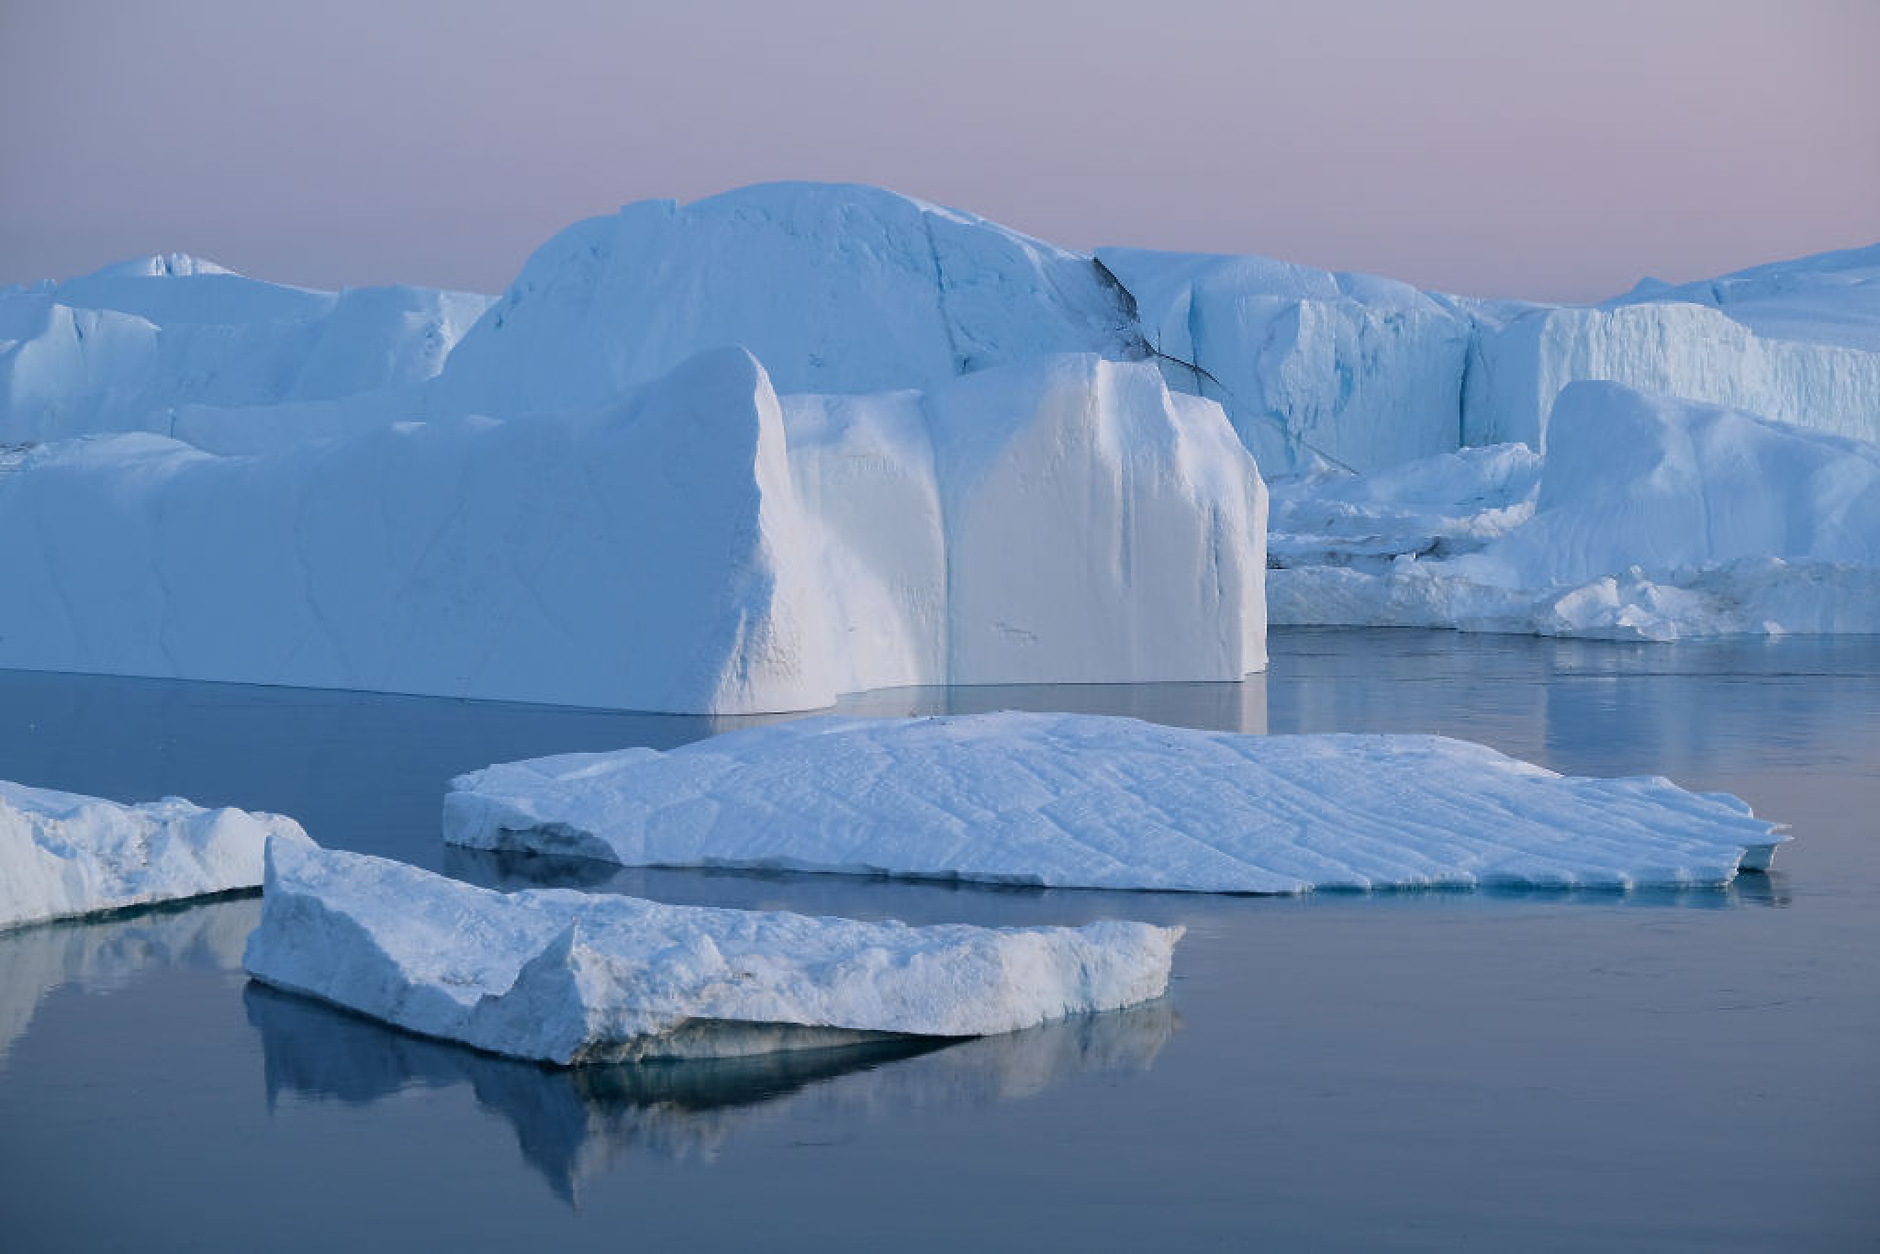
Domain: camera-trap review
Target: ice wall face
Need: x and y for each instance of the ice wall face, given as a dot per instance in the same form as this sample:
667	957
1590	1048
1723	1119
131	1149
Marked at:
124	349
646	556
1686	350
1364	371
701	547
835	288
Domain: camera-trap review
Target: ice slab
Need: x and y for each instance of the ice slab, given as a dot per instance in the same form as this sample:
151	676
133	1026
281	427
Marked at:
1651	518
62	854
569	977
1080	801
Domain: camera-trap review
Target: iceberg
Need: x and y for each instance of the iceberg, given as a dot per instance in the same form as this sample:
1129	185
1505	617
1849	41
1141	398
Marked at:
136	344
836	288
1081	801
62	854
1516	372
1362	371
702	546
1650	517
569	977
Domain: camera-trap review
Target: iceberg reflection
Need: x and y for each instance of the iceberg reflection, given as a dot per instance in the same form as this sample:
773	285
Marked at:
572	1124
102	953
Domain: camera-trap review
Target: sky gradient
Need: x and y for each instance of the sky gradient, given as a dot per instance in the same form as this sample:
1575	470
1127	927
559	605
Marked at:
1495	148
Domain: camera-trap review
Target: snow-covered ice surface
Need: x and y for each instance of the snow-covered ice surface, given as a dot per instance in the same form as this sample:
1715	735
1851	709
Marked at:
569	977
700	546
1079	801
62	854
1650	518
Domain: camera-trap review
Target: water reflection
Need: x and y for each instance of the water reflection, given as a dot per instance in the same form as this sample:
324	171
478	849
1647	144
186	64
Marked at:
573	1124
100	954
1236	707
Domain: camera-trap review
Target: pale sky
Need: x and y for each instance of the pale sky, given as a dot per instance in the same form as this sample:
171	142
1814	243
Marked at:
1492	147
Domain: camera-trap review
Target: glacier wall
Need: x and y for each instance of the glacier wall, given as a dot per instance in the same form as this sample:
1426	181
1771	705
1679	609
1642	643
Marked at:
701	547
1517	371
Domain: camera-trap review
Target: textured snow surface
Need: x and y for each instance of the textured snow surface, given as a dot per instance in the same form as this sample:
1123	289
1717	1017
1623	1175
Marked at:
699	547
569	977
1651	518
1081	801
140	345
62	854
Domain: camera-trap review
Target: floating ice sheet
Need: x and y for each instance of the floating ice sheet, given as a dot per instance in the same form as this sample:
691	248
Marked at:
569	977
1080	801
62	854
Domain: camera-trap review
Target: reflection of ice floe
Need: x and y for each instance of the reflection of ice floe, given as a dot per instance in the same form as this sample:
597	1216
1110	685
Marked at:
571	1125
104	953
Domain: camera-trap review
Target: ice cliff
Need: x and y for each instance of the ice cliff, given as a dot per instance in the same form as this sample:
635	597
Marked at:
1083	801
568	977
62	854
700	546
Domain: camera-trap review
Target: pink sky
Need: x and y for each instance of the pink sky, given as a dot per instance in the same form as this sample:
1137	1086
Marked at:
1551	150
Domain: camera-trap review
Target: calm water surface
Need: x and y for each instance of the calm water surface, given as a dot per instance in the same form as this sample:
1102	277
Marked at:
1694	1070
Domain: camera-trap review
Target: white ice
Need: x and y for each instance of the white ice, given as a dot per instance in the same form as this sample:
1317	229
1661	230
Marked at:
569	977
1081	801
700	546
1650	518
62	854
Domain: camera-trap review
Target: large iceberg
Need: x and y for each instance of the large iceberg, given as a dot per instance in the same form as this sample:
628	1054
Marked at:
1080	801
1363	371
62	854
701	546
569	977
140	344
836	288
1649	517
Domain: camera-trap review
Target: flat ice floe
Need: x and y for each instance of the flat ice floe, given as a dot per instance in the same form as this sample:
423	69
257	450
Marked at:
62	854
569	977
1081	801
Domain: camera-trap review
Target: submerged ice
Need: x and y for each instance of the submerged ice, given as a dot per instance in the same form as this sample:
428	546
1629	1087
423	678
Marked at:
1079	801
569	977
62	854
